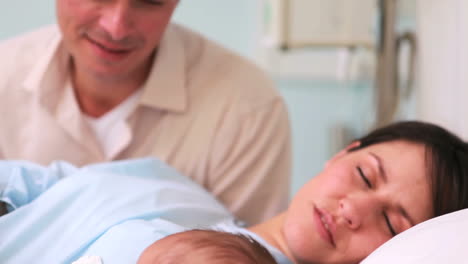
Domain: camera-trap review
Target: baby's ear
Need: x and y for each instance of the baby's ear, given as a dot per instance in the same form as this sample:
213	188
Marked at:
343	152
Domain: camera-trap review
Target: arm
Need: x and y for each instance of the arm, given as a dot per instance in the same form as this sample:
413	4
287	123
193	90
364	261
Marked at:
252	162
22	182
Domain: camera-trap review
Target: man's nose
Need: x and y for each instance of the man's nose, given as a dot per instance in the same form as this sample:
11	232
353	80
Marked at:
116	20
355	209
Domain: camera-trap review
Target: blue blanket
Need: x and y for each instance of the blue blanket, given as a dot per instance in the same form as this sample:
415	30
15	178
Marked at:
115	210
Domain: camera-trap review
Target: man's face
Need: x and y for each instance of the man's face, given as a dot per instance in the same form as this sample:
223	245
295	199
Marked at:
113	38
357	202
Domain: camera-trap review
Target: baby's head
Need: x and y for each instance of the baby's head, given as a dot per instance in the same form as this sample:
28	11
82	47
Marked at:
206	246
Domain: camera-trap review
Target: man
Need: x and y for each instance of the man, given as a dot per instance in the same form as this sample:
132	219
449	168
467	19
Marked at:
116	80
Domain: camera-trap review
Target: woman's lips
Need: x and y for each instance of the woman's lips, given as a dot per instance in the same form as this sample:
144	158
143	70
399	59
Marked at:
324	225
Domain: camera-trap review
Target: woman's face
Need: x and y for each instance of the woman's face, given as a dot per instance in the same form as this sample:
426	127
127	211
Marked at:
358	202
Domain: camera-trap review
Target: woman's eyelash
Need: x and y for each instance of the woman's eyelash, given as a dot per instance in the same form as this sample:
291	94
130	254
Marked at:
152	2
389	224
364	178
369	184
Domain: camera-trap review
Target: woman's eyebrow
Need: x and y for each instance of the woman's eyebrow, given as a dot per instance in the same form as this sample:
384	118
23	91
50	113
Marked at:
380	165
384	177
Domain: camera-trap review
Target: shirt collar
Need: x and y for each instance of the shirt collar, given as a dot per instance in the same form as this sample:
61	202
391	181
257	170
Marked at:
50	71
165	87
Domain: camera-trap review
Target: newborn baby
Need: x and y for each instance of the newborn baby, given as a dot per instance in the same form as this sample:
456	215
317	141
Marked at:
206	246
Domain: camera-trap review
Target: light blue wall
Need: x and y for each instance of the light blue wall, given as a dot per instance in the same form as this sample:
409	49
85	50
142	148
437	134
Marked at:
21	16
231	23
315	106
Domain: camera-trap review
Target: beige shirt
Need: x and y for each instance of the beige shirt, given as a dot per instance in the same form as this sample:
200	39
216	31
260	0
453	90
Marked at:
209	113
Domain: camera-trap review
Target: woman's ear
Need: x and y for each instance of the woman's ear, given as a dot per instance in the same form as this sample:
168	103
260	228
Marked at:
340	154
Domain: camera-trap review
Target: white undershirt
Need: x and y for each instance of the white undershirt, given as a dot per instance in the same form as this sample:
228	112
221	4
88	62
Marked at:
111	129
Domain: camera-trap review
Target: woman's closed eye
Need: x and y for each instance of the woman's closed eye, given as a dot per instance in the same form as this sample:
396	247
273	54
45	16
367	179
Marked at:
389	224
154	2
364	177
370	186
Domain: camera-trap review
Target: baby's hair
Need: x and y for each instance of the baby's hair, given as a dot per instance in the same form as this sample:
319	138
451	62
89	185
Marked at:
209	246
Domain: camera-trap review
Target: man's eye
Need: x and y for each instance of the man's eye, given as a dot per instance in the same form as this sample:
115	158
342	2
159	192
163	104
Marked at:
364	178
389	224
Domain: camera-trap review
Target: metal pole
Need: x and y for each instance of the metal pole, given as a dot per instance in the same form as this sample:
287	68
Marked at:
386	94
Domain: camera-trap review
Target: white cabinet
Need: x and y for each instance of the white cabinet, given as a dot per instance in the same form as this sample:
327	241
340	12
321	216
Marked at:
318	39
303	23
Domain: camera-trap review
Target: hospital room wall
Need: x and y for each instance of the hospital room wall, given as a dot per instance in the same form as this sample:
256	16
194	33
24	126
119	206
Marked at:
317	108
23	16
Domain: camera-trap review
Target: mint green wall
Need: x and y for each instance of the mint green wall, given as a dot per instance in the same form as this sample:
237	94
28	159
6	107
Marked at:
315	106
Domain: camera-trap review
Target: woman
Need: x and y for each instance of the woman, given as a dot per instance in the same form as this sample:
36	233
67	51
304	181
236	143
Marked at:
379	186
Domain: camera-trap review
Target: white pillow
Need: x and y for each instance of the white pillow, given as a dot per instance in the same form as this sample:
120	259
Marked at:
443	239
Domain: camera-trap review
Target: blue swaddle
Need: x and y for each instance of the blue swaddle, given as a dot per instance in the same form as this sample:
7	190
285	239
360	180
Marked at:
113	210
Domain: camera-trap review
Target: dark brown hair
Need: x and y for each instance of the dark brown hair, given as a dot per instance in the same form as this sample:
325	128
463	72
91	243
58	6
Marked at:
212	247
446	158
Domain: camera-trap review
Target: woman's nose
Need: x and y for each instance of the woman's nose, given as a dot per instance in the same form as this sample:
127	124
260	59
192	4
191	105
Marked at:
116	19
354	210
